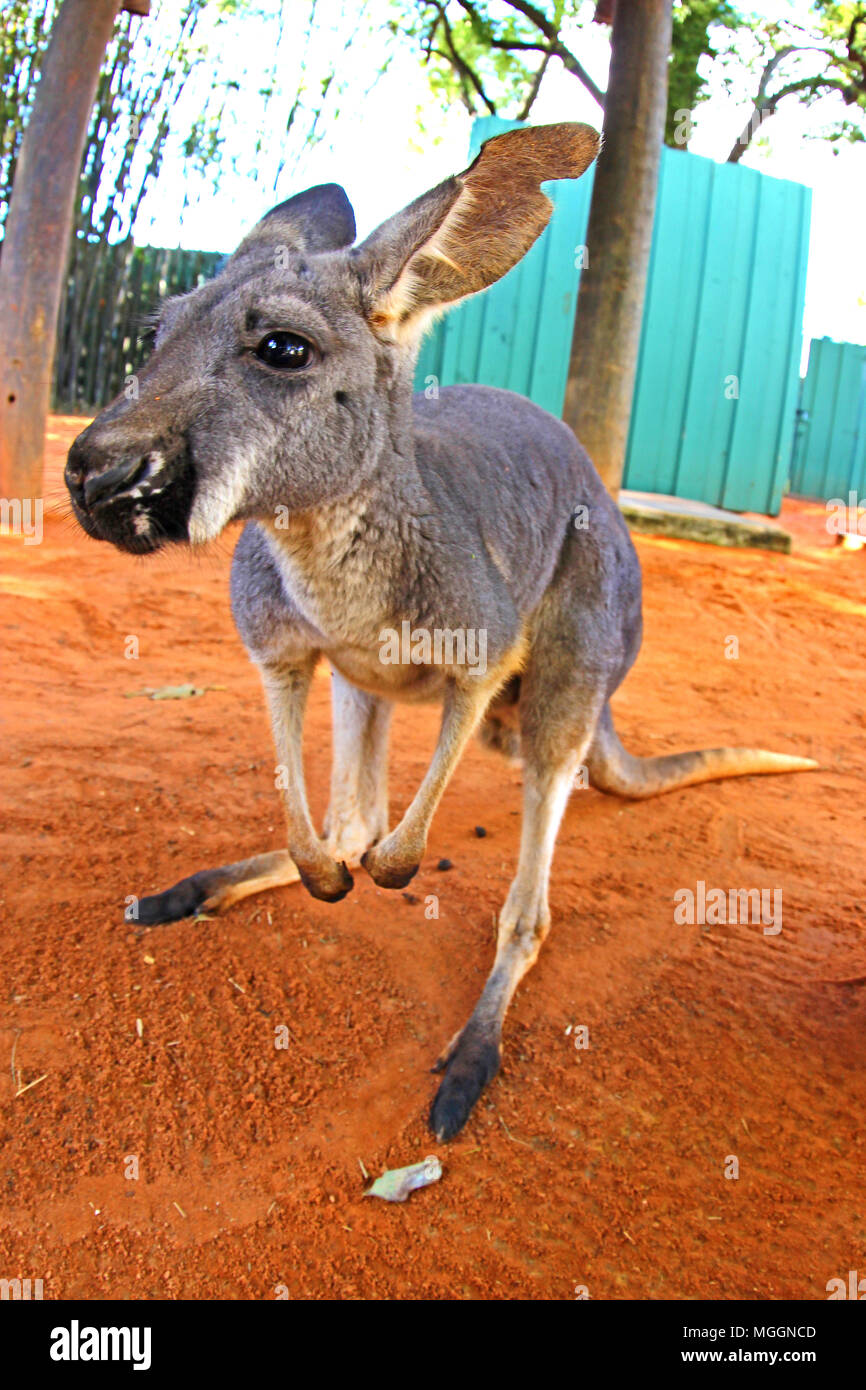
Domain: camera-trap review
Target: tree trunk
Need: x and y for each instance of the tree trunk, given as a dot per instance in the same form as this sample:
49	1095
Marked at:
38	228
606	339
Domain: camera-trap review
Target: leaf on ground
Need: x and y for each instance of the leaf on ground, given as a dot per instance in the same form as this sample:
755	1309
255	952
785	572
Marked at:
176	692
172	692
395	1184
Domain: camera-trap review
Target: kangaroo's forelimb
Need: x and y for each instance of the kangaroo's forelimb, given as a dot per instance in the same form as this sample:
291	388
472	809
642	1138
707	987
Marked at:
395	860
357	815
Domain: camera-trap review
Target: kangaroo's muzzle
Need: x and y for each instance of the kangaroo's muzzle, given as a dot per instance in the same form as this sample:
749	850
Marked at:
137	498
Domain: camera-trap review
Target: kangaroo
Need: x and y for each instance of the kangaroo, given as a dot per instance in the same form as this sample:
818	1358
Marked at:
280	393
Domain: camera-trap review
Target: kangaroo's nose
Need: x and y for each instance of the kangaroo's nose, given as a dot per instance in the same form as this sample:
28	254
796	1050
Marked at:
91	483
100	487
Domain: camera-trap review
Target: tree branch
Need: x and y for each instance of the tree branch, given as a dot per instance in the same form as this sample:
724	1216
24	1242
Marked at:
859	59
463	68
554	45
533	91
766	106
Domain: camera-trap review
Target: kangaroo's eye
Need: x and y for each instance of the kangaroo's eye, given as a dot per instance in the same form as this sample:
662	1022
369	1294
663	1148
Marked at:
285	351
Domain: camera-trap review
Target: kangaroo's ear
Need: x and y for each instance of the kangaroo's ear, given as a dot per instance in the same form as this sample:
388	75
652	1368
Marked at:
319	219
467	232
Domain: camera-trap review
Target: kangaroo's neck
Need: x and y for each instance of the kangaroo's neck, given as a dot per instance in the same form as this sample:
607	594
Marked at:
347	562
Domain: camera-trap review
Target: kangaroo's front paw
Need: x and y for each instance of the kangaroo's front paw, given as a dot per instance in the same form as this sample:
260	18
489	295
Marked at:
326	880
347	840
474	1061
390	870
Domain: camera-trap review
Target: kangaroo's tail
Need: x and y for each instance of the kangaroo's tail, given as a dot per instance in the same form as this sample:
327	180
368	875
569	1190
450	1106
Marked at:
612	769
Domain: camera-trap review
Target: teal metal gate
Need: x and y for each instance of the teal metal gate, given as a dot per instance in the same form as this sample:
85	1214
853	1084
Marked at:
716	389
830	451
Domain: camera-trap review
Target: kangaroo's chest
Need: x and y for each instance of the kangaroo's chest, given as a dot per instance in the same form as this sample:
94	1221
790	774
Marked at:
381	635
335	583
343	593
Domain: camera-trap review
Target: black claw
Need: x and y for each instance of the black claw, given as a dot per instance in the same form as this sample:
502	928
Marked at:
473	1064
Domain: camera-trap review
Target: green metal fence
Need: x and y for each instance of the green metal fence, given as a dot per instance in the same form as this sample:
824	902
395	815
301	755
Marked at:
716	391
110	295
830	451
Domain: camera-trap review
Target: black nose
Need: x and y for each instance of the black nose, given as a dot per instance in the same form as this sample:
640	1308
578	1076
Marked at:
100	487
91	482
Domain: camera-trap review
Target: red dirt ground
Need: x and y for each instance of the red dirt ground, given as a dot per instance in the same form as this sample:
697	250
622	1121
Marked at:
603	1168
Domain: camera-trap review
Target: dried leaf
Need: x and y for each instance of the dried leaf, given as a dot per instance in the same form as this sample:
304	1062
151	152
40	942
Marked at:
176	692
395	1184
172	692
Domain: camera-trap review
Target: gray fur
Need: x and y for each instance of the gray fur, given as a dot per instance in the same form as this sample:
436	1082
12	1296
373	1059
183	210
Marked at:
420	547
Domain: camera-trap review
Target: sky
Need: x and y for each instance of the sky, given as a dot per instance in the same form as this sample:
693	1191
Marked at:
389	144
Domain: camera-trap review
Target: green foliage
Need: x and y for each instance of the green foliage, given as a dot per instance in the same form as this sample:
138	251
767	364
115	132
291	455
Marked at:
26	26
844	29
480	53
146	67
491	54
201	83
694	24
822	54
173	83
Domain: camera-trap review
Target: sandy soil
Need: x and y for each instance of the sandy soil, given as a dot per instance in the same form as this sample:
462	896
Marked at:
603	1168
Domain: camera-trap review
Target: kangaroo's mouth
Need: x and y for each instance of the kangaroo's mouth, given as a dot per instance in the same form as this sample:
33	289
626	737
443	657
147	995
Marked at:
139	504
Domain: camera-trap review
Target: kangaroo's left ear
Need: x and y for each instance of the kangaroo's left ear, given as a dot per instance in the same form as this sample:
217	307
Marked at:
470	230
319	219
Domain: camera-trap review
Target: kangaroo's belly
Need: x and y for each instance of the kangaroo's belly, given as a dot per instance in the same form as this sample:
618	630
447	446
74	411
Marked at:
404	682
414	665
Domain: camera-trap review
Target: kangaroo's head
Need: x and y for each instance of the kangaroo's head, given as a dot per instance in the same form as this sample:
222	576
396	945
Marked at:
278	383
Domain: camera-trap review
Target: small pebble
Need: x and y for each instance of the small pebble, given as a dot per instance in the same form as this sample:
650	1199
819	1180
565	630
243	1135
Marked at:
411	898
444	864
480	831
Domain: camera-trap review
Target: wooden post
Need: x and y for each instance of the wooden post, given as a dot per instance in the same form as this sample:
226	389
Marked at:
607	329
38	228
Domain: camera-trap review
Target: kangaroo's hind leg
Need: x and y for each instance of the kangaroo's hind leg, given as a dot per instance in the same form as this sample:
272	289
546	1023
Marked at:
215	890
558	719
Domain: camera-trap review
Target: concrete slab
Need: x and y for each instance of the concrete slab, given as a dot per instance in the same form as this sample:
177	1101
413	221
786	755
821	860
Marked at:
654	514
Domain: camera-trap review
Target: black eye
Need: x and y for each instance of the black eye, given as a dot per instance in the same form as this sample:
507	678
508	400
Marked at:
285	351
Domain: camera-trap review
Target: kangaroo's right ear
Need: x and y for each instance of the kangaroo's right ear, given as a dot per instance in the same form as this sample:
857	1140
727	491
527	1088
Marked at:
319	219
467	232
